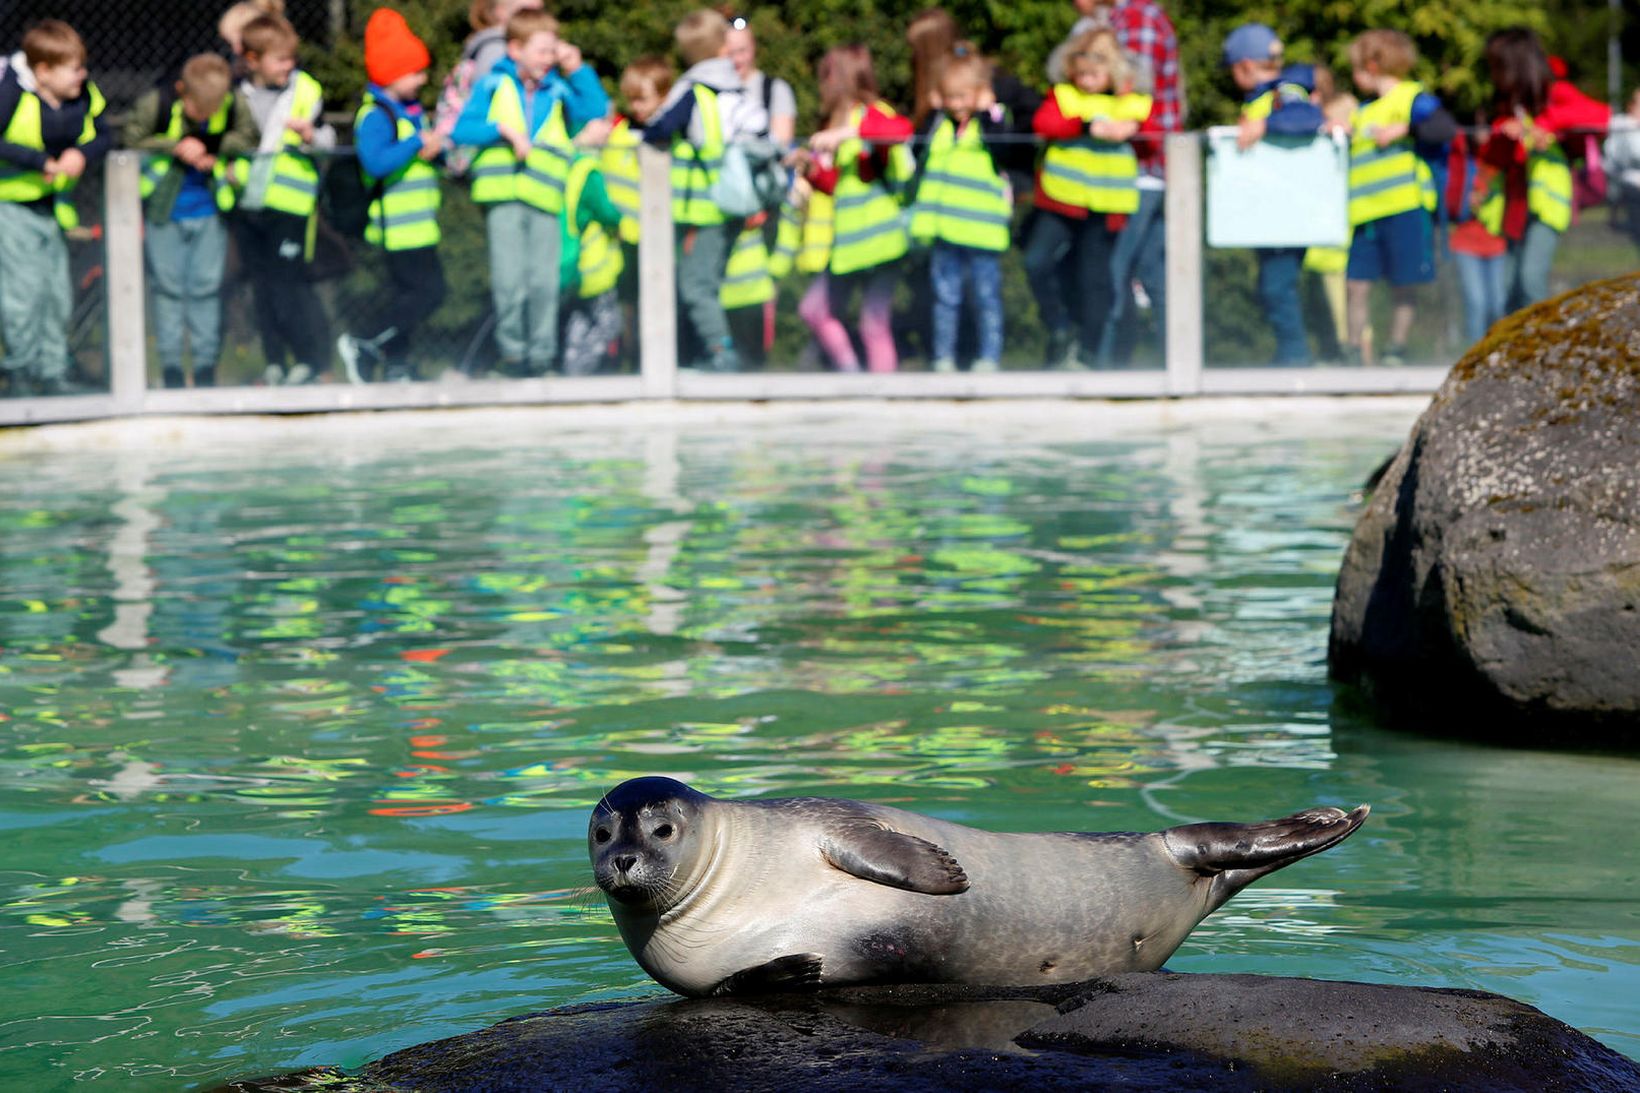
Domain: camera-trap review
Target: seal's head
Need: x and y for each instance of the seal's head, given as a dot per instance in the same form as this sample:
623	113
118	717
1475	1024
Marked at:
643	839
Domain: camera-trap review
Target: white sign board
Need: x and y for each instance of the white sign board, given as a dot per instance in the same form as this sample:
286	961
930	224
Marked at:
1281	192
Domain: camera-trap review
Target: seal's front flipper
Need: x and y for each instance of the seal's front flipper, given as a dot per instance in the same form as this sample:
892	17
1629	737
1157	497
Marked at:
798	972
893	858
1235	855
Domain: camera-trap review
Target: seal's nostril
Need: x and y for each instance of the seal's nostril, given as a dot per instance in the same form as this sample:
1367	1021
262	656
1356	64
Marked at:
625	862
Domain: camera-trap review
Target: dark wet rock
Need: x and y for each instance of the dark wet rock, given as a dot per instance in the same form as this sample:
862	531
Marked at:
1156	1031
1495	573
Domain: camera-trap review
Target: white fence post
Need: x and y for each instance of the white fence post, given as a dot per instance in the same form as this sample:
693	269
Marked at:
1184	263
657	276
122	261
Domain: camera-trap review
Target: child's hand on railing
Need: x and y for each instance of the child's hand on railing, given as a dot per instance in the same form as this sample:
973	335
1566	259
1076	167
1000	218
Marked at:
71	163
302	127
1386	135
1249	131
432	144
826	142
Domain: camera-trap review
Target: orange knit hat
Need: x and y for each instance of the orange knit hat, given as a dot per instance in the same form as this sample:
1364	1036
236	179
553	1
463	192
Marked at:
391	48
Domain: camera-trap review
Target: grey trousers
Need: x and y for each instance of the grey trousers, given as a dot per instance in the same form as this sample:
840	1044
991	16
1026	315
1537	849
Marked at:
185	263
524	247
35	294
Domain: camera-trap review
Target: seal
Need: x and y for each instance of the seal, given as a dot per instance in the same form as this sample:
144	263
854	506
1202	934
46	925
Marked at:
721	897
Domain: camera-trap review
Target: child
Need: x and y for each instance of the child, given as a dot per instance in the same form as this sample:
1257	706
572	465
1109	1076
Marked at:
964	207
1274	100
51	121
1525	146
860	160
524	115
279	199
644	85
396	150
1086	185
703	113
591	264
1392	193
195	128
1479	251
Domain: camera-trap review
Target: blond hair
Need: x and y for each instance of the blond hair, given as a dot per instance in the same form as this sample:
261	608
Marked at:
267	33
701	35
526	24
52	42
965	69
205	80
1099	49
649	71
1392	52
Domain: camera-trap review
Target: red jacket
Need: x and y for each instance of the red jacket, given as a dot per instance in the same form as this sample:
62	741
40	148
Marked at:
877	131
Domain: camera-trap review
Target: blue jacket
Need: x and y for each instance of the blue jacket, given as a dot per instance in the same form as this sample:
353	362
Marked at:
583	97
1292	114
381	152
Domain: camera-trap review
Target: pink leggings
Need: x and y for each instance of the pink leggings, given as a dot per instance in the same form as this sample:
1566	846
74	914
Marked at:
828	294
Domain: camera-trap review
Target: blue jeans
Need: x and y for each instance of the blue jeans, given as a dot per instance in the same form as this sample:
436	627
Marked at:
1529	261
950	267
1278	270
185	263
1140	254
1484	283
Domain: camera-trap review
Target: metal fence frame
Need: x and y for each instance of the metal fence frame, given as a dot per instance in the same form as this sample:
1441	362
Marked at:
659	377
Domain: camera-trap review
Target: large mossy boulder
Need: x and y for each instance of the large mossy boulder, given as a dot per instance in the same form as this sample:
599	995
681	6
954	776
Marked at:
1143	1031
1492	586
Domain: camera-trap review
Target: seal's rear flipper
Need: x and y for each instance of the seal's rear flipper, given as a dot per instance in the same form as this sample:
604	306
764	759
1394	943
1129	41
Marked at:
798	972
1235	855
893	858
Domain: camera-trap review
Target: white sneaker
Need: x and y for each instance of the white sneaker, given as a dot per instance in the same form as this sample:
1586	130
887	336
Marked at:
945	364
299	373
347	348
985	364
273	375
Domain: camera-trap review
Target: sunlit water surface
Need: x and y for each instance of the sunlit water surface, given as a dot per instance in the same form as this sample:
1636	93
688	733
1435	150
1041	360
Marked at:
301	723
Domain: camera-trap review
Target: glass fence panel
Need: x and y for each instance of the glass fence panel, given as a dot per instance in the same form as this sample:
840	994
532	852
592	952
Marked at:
313	300
57	312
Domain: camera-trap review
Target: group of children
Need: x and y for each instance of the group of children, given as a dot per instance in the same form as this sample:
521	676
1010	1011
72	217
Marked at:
556	173
1507	201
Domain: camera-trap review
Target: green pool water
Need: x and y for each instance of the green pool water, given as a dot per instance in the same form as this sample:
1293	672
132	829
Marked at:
300	723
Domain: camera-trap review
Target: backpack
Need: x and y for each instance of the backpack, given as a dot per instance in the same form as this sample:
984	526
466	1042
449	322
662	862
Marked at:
752	179
344	199
452	99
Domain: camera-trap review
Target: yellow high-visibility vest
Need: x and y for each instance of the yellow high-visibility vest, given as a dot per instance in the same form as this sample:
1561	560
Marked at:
157	165
497	175
695	170
404	215
1392	179
619	163
961	199
25	187
1098	175
867	228
746	278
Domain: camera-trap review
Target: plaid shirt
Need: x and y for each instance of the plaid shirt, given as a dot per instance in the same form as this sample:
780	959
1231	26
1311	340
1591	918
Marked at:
1144	30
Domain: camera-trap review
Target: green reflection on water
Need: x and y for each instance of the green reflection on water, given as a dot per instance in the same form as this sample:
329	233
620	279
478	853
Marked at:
295	763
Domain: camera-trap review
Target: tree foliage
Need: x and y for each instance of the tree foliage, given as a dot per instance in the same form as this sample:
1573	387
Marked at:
793	34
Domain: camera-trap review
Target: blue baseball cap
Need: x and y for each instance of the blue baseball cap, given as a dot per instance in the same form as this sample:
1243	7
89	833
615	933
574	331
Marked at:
1252	42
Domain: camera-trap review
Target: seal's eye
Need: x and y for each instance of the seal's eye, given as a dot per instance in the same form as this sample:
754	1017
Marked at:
664	831
601	835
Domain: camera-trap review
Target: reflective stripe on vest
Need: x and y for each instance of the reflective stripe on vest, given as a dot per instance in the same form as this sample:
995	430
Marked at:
404	216
1490	213
24	186
867	228
598	259
746	279
156	166
1098	175
1389	180
961	198
695	170
496	173
619	164
1549	187
294	185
